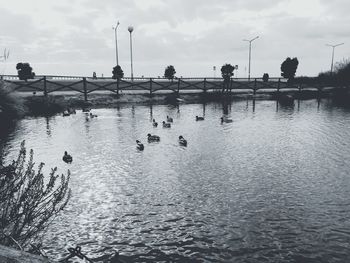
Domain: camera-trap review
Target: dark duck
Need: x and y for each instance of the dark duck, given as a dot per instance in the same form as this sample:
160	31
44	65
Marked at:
182	141
139	145
67	158
153	138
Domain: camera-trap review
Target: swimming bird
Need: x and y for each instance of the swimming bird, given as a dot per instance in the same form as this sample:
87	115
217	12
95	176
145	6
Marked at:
86	109
92	115
225	120
139	146
155	124
67	158
199	118
169	119
71	111
166	125
182	141
65	113
153	138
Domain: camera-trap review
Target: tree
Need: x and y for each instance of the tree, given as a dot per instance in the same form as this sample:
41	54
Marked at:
289	68
342	72
25	71
227	73
26	203
117	73
169	72
266	77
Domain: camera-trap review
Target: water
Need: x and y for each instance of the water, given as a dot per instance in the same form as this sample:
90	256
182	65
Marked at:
273	186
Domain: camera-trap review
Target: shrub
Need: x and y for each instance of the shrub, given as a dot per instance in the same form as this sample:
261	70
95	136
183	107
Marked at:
342	72
40	105
118	73
289	68
25	71
227	73
26	203
11	105
169	72
266	77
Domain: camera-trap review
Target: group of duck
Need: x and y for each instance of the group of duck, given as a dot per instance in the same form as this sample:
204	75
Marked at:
155	138
68	112
167	124
150	138
87	111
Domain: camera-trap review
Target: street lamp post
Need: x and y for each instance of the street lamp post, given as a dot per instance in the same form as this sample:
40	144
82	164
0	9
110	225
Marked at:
250	51
130	29
333	46
116	42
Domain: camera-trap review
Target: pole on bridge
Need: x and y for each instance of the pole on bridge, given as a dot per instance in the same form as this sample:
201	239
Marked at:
85	90
117	87
205	85
254	92
45	87
150	87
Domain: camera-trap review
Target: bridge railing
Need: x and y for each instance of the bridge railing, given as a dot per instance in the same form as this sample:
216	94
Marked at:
50	83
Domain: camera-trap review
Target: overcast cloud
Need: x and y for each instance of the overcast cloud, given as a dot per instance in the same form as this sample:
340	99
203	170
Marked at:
75	37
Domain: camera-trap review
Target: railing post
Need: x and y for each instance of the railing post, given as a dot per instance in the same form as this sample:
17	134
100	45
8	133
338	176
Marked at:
205	85
178	86
85	90
117	86
319	91
254	92
150	87
279	84
45	87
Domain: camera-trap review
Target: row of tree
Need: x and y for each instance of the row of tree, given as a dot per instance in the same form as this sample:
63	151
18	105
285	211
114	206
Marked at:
288	69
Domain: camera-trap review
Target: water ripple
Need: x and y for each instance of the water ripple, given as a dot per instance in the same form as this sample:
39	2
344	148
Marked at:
272	186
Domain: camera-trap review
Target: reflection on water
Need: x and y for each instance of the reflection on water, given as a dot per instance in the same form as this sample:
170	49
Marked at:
270	187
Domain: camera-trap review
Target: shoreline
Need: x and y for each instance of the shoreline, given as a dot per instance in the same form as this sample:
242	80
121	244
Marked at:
110	100
36	104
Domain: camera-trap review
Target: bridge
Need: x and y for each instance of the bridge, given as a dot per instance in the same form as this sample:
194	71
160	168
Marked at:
85	85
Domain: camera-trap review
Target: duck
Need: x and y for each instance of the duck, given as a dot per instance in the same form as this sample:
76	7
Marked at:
153	138
226	120
169	119
67	158
155	124
199	118
65	113
166	125
139	146
86	109
71	111
182	141
92	115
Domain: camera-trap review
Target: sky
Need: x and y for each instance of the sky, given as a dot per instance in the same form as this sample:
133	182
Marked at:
75	37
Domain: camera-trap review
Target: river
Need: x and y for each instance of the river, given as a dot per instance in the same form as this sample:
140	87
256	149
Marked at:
272	186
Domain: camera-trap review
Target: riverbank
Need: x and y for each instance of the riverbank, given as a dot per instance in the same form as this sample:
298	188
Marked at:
62	100
10	255
36	104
